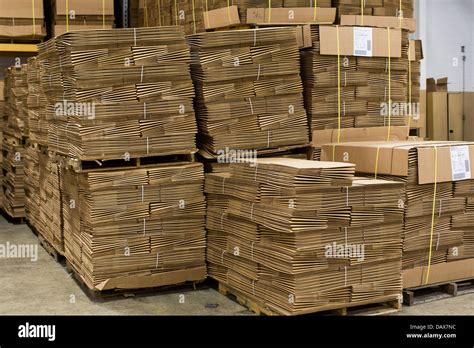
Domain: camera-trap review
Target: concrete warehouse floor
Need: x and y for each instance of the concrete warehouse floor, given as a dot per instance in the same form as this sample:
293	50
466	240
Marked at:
45	288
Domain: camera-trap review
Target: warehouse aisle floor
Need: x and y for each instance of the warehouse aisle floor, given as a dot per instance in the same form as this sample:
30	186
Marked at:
45	288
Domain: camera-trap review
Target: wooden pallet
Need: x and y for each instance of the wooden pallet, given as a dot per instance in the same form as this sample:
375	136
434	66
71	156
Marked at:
116	294
434	292
15	220
122	164
51	250
367	308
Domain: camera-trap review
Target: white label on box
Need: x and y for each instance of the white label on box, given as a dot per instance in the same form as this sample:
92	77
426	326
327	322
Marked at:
363	42
460	163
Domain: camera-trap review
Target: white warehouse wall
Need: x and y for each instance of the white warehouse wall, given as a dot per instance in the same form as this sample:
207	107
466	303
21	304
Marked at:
445	26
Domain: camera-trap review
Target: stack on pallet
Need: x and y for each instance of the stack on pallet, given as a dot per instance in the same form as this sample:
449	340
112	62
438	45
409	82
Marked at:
434	201
464	222
36	103
249	91
391	8
198	15
15	129
351	88
297	236
74	15
132	219
22	20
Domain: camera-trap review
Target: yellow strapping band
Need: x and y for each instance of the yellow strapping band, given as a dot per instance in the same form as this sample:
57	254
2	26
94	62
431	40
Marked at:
433	215
67	15
34	17
176	11
103	14
334	152
158	9
409	90
146	14
377	162
362	9
338	85
269	11
389	85
194	16
207	14
228	11
401	13
315	14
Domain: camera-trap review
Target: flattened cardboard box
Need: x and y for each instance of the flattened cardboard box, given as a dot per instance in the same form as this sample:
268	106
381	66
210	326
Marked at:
361	41
221	17
379	22
439	273
328	136
297	15
81	7
392	158
21	9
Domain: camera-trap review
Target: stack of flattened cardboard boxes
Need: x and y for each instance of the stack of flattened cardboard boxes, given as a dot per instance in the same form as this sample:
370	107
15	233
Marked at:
392	8
198	15
74	15
15	129
248	90
299	236
22	20
359	76
464	221
129	97
437	180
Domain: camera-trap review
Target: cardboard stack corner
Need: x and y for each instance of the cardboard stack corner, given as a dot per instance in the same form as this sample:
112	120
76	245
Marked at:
384	8
15	129
372	73
201	15
414	163
120	226
248	91
23	20
276	227
74	15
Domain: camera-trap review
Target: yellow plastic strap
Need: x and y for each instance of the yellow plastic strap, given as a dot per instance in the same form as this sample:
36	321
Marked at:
67	15
103	14
433	215
338	86
158	8
389	85
377	162
315	15
34	17
146	14
362	8
207	14
409	90
401	13
176	11
269	11
228	11
334	152
194	16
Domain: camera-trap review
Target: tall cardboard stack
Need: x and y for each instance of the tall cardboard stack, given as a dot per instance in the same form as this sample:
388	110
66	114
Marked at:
248	90
199	15
464	222
391	8
15	129
37	103
124	227
130	96
273	226
22	20
74	15
346	87
436	214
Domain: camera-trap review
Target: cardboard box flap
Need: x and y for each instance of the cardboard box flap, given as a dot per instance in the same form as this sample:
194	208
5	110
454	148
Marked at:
379	22
221	17
361	41
327	136
297	15
21	9
439	273
81	7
